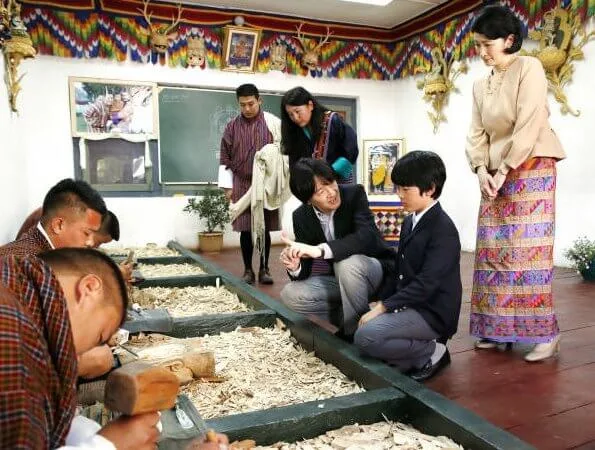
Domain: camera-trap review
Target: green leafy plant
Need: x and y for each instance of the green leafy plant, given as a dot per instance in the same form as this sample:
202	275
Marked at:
213	207
582	254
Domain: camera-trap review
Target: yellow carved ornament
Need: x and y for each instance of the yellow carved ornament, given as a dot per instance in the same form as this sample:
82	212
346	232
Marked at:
439	83
561	39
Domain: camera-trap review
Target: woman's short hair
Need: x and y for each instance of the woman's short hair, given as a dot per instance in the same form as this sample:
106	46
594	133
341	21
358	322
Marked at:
496	22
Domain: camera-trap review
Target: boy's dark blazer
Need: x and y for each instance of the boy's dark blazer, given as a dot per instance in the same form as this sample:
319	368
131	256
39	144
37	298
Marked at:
428	276
355	231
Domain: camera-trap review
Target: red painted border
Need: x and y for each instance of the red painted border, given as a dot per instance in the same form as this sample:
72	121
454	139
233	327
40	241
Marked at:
88	5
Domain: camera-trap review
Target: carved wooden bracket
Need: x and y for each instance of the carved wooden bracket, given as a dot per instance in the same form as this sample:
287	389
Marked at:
561	39
439	83
17	46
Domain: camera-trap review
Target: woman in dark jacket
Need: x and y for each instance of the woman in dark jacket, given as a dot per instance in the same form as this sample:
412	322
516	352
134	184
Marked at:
310	130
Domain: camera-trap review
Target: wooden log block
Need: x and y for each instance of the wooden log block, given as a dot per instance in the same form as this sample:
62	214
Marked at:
202	364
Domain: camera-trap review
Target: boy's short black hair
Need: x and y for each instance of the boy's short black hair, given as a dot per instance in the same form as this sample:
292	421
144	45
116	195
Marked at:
247	90
86	260
496	22
110	225
76	194
301	178
422	169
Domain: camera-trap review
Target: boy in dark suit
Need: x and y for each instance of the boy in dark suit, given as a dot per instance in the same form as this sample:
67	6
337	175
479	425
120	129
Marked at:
406	328
339	259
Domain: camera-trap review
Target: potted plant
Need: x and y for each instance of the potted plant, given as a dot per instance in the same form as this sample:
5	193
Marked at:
582	255
213	208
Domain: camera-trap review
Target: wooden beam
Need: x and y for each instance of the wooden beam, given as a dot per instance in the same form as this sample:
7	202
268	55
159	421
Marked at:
184	327
180	282
310	419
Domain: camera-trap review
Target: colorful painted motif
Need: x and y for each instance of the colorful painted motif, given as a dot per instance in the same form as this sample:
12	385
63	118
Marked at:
388	217
114	30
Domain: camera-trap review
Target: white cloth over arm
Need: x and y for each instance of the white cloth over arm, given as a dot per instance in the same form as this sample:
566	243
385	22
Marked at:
270	157
83	436
269	189
225	177
270	182
274	126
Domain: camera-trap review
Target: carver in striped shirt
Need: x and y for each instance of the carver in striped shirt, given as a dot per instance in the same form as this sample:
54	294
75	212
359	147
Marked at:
53	308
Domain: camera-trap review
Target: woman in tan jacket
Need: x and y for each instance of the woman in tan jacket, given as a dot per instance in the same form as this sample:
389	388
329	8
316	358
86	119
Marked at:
513	150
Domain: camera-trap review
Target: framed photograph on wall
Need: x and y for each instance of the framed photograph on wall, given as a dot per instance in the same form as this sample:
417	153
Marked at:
380	156
240	48
112	107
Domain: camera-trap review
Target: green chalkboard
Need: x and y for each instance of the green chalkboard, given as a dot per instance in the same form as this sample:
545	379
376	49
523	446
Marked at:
191	123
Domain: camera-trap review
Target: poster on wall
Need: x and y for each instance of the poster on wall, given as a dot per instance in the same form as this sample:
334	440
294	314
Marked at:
112	107
380	156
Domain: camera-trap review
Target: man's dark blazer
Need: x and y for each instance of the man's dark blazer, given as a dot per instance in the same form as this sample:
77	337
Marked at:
428	277
355	231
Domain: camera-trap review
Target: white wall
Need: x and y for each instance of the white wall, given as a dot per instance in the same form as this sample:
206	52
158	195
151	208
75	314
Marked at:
12	167
36	147
45	136
575	191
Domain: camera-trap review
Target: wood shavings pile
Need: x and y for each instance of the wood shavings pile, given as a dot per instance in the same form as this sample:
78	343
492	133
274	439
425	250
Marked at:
157	341
169	270
148	251
378	436
261	368
189	301
264	368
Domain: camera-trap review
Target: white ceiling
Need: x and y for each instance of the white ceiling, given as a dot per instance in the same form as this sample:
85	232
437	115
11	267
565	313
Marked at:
395	13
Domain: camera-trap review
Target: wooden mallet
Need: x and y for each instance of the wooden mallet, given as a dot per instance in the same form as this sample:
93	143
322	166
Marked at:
138	388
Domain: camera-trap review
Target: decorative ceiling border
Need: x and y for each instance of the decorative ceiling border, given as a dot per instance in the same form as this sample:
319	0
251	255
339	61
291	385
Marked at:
115	29
210	16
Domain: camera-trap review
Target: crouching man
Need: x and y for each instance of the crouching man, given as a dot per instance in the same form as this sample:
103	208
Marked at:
338	261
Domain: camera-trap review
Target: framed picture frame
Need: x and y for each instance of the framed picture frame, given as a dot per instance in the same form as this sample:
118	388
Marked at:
116	165
110	108
240	48
380	156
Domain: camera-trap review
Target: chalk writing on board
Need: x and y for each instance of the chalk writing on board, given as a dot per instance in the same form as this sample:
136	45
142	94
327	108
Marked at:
174	97
218	121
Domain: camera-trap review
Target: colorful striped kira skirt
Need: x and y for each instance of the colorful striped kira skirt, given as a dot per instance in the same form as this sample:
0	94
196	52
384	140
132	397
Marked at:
511	299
